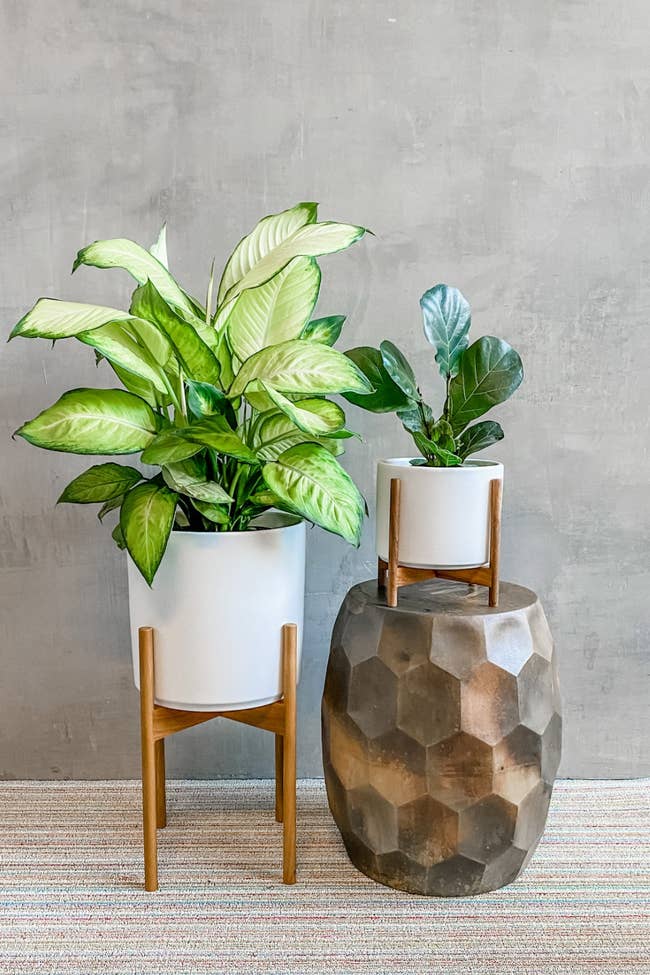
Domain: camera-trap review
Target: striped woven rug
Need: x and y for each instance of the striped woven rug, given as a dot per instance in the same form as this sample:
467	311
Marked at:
71	898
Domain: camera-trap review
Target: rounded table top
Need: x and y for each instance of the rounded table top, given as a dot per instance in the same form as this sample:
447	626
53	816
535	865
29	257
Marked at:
446	597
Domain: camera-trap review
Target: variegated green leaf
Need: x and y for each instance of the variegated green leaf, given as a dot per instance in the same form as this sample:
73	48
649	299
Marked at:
54	319
140	264
275	311
119	347
213	512
323	330
146	520
94	421
318	417
102	482
159	248
168	447
189	477
214	432
268	234
312	240
310	481
196	359
301	367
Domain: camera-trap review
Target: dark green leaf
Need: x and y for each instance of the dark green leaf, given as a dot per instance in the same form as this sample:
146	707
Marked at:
146	520
478	437
387	396
433	452
102	482
189	477
109	506
447	318
398	368
214	432
417	418
118	537
213	512
490	372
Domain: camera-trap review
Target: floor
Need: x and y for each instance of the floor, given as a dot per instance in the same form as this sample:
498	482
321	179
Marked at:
71	897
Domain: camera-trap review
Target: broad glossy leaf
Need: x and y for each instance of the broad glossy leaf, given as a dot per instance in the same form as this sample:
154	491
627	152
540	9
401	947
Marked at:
102	482
213	512
146	520
387	396
318	417
155	341
168	447
140	387
265	237
115	343
323	330
159	248
490	372
310	481
429	449
478	437
447	318
413	420
301	367
188	477
94	421
399	369
140	264
214	432
278	433
54	319
275	311
196	359
312	240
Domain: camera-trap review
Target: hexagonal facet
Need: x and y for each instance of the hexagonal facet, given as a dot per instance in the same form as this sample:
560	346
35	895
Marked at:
372	697
439	762
486	829
428	831
459	770
535	684
489	704
458	644
427	703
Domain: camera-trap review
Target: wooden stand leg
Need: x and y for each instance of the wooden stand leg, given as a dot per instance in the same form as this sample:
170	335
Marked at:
496	491
279	777
381	573
149	801
161	804
393	541
289	674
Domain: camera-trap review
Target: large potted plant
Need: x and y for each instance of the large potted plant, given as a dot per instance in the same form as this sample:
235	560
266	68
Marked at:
444	520
226	406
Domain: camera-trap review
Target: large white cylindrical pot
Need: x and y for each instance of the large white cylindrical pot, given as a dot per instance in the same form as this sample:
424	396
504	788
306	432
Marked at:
217	606
444	512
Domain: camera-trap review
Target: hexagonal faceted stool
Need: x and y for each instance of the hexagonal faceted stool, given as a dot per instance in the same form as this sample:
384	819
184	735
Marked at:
441	734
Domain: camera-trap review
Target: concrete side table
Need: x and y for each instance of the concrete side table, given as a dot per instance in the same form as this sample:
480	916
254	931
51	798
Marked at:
441	734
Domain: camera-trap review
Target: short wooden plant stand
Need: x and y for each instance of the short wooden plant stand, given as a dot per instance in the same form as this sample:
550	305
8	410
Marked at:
393	574
157	723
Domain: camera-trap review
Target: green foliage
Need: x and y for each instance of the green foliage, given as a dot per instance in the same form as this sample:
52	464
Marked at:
477	377
228	402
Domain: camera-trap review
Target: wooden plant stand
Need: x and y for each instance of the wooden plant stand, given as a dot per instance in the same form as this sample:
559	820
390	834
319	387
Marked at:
392	574
157	723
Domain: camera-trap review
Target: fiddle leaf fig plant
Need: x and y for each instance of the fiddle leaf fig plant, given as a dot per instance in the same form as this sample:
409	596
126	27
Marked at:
229	403
477	377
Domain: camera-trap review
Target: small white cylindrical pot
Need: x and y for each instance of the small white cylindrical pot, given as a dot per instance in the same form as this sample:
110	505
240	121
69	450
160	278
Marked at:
444	513
217	605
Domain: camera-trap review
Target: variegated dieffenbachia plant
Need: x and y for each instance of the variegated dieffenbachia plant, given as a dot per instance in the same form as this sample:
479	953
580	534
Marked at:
228	399
477	377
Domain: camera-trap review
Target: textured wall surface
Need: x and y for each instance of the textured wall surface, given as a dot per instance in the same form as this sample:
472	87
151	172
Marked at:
500	147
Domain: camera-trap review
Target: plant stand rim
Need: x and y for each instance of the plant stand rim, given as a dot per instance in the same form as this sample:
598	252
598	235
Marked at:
158	723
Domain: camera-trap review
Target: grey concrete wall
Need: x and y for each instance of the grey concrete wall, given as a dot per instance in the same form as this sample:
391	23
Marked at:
502	147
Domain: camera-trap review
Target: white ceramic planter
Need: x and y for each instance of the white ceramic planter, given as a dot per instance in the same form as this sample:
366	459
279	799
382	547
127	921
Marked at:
217	606
444	512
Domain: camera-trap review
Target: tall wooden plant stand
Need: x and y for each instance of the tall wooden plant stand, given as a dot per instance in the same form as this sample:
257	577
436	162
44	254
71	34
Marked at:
157	723
393	574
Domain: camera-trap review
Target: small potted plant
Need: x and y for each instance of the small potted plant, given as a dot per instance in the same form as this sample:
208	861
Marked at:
444	517
227	409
